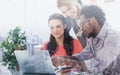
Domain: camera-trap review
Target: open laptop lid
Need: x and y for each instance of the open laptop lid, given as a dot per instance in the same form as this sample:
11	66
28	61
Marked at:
40	62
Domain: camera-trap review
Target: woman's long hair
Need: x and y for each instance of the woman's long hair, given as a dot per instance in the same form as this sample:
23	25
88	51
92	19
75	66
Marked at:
68	44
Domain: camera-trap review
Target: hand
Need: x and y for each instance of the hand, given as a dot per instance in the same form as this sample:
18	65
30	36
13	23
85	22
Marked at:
83	66
58	61
76	64
64	61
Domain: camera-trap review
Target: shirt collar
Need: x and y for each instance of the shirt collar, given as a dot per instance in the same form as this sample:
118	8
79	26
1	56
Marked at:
103	32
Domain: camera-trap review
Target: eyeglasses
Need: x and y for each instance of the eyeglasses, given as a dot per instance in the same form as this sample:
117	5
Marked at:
82	23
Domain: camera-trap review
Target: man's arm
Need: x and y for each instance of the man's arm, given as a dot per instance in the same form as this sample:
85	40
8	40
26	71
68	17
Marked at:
87	53
105	56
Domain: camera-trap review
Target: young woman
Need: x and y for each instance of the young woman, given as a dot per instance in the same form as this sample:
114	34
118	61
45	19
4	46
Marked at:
60	42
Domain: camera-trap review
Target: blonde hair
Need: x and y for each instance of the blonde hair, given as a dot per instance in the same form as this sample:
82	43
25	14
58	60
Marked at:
68	3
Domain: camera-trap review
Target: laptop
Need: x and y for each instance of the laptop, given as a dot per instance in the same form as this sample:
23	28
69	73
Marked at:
38	64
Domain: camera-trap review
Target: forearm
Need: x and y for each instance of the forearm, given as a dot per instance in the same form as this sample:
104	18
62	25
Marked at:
83	56
71	58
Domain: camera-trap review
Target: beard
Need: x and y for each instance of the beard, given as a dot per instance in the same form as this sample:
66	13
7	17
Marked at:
92	34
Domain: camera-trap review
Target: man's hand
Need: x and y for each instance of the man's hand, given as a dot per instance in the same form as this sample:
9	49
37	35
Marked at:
83	66
58	61
63	61
66	61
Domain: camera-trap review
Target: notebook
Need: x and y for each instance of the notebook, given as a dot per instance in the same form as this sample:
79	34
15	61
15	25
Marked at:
39	63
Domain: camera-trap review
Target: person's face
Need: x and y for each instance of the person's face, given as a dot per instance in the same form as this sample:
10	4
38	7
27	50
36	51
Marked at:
56	28
69	12
87	27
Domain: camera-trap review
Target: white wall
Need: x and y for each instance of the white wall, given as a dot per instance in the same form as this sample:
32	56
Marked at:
33	15
12	14
112	11
37	13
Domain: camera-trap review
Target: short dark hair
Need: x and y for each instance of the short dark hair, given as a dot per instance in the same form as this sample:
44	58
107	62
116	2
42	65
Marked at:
94	11
57	16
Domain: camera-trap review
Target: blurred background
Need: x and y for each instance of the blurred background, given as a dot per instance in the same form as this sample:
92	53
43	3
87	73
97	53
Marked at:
32	15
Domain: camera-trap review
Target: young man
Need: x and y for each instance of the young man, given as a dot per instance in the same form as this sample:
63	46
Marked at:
102	53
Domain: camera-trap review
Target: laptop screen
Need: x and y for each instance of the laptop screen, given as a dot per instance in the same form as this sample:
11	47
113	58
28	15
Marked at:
40	62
